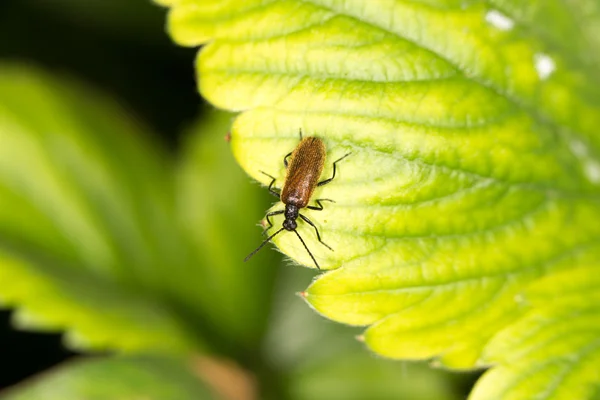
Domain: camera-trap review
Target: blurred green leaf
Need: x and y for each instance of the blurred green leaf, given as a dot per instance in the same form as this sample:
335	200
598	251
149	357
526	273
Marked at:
325	361
86	219
475	171
357	375
95	313
219	211
99	235
114	378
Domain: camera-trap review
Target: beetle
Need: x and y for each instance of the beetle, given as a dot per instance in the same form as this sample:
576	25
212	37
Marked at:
302	178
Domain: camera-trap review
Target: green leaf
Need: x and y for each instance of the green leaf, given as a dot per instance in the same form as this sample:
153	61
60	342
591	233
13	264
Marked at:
474	176
85	204
114	378
554	342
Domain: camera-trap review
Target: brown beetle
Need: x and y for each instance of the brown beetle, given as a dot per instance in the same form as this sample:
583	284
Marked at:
303	173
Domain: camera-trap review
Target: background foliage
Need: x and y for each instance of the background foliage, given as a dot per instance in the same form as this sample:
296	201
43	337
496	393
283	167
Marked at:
464	208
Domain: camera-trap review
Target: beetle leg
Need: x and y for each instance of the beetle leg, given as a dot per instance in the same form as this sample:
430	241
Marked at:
285	161
272	190
272	213
308	221
326	181
320	207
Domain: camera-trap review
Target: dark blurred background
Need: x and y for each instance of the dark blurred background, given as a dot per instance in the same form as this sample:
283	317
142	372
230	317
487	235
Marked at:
120	47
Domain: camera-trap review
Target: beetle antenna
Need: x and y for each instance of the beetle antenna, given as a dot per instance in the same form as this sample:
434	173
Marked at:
263	243
306	247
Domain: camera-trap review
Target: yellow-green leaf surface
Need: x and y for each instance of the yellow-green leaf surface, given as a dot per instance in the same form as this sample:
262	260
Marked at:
86	211
114	378
472	191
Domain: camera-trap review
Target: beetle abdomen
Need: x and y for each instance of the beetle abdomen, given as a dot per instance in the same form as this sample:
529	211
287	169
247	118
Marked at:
303	172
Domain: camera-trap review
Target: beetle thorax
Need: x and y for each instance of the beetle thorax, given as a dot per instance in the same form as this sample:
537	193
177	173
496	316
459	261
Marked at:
291	214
